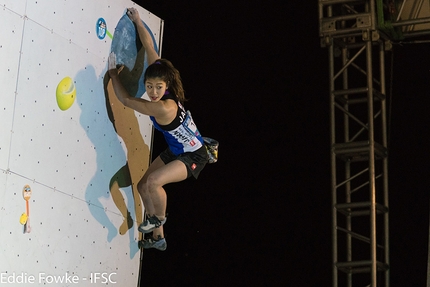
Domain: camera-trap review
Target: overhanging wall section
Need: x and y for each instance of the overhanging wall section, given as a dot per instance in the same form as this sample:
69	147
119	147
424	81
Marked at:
80	155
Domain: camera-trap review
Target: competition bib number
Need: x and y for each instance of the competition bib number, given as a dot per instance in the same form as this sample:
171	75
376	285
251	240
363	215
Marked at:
190	126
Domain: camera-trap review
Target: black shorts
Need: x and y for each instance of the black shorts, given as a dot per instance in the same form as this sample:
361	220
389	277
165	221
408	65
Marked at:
194	161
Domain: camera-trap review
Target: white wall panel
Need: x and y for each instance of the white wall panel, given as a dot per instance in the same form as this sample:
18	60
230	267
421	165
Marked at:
77	20
17	6
3	178
62	234
10	42
55	143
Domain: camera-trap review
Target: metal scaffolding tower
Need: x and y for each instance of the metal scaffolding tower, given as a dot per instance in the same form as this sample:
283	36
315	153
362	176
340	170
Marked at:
357	35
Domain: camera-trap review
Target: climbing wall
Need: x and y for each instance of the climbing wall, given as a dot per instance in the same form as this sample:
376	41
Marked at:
70	153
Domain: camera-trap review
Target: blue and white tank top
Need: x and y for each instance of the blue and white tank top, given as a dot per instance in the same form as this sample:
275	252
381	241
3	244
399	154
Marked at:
181	134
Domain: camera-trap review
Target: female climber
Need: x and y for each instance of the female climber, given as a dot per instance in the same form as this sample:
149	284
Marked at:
186	154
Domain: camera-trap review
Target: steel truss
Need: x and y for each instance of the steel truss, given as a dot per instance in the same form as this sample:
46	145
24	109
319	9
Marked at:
357	35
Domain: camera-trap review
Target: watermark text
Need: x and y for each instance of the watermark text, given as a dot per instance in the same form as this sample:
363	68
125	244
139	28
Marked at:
65	278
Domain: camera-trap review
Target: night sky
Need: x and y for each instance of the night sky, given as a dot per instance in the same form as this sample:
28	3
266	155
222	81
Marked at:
257	80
